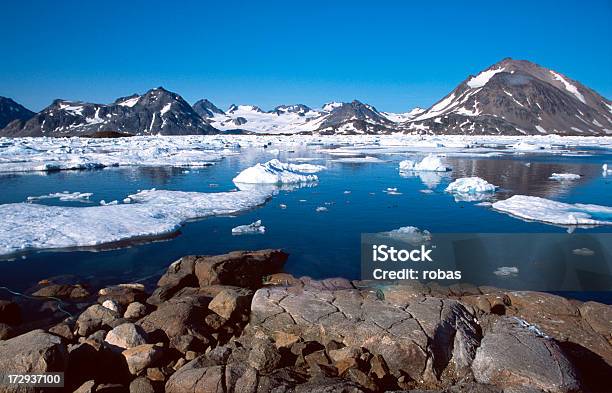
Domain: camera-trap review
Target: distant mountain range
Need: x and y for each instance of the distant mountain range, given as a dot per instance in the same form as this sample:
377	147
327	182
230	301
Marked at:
512	97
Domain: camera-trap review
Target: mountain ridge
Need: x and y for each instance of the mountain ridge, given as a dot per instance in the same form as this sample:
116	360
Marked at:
510	97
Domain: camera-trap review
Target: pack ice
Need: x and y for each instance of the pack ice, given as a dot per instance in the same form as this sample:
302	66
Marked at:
553	212
30	226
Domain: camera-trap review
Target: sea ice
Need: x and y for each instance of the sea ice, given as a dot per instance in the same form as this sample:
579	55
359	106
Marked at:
410	234
276	172
431	163
321	209
471	188
30	226
564	176
64	196
250	229
583	252
506	271
553	212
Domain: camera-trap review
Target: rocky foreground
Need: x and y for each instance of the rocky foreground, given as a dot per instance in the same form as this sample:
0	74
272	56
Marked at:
234	323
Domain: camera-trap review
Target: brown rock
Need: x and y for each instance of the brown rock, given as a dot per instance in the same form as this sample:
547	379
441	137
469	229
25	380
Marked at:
244	269
229	302
362	379
63	291
142	356
378	367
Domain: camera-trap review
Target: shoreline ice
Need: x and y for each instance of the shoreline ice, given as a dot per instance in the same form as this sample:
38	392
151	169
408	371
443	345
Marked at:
151	213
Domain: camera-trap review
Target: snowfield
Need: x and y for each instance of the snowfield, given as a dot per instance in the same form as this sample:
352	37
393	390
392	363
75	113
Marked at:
151	213
553	212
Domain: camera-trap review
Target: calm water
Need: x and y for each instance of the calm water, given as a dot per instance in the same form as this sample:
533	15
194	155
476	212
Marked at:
320	244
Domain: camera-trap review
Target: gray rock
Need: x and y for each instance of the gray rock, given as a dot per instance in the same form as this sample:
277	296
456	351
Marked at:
141	385
400	331
142	356
34	352
126	336
135	310
514	353
95	318
177	317
193	378
264	356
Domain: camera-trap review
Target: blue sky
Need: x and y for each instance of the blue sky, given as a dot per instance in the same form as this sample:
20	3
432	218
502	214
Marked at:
392	54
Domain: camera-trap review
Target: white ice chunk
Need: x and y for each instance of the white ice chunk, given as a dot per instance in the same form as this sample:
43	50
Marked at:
506	271
276	172
28	226
564	176
470	185
410	234
64	196
431	163
553	212
249	229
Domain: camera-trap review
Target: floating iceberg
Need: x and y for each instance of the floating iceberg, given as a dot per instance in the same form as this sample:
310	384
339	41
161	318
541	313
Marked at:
431	163
583	252
64	196
250	229
321	209
605	170
506	271
358	160
410	234
152	213
564	176
276	172
553	212
470	189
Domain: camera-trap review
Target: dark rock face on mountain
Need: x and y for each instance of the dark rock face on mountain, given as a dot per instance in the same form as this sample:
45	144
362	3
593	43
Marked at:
11	111
206	109
517	97
157	112
300	109
355	118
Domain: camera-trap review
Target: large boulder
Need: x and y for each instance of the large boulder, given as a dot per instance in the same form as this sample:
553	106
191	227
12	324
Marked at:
245	269
123	294
178	316
63	291
142	356
230	302
515	354
126	336
34	352
421	338
192	377
94	318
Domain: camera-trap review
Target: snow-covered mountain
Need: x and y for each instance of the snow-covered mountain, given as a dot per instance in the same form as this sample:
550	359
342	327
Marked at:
512	97
157	112
333	118
11	111
515	97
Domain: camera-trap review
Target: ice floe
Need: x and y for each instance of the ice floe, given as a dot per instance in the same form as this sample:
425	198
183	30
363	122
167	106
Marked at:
64	196
469	189
553	212
431	163
152	213
321	209
276	172
564	176
249	229
583	252
410	234
506	271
